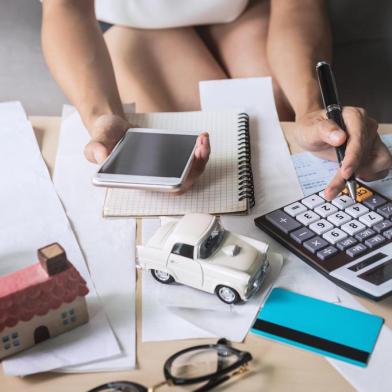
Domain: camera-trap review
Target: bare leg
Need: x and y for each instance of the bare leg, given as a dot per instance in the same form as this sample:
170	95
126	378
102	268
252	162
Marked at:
240	47
160	69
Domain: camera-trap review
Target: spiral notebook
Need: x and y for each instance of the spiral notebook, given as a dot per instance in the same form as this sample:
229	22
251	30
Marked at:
226	186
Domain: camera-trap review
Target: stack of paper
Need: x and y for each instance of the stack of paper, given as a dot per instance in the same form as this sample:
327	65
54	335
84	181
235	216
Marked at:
108	244
32	217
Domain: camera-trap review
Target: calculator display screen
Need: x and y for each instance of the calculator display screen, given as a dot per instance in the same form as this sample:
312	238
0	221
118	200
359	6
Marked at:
151	155
379	274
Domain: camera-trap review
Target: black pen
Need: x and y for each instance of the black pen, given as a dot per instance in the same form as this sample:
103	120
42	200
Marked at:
334	112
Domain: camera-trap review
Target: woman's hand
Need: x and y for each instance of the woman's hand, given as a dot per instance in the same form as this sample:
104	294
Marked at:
366	155
202	153
107	130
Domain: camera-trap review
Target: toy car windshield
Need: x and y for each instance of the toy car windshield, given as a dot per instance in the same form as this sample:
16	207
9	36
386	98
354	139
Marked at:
211	244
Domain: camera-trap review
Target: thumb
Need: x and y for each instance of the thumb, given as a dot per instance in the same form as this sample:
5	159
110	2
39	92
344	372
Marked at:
96	152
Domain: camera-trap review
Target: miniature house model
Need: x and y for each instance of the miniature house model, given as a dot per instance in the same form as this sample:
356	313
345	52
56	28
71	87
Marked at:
40	301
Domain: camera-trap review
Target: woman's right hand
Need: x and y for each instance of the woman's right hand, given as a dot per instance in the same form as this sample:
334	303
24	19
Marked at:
105	132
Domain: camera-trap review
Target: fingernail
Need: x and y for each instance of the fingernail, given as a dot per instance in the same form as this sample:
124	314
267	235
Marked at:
335	136
98	157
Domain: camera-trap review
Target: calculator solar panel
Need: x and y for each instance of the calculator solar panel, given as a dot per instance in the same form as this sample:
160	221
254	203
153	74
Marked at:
348	241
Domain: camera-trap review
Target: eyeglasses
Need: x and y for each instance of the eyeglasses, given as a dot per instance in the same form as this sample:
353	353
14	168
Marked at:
210	363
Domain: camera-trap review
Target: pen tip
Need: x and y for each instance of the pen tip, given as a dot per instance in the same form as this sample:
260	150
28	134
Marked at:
352	189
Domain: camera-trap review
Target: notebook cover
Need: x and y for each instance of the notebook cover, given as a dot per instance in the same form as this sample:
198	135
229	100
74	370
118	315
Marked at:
318	326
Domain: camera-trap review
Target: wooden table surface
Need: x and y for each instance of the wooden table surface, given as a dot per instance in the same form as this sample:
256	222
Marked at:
276	367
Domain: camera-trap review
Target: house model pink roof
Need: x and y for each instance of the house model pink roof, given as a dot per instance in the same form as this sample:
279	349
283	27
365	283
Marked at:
36	289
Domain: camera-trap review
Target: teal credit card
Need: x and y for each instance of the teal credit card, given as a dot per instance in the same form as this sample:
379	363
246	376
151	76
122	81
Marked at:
318	326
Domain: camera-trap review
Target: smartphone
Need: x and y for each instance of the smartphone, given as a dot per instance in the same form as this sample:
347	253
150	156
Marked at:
149	159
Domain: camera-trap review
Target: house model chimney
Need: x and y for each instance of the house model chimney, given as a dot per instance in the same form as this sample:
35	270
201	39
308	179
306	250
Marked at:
53	258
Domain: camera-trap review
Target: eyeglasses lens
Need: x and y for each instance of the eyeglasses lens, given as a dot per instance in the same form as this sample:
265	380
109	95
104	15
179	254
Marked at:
202	362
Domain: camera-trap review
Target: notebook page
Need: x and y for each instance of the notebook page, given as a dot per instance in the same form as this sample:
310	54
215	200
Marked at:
216	191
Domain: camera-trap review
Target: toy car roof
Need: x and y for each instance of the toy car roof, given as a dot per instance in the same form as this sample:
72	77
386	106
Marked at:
191	228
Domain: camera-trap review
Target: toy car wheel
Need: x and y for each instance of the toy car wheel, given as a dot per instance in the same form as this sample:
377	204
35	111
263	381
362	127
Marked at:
162	276
227	295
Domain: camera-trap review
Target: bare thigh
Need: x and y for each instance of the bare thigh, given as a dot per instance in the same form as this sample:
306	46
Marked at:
241	48
160	69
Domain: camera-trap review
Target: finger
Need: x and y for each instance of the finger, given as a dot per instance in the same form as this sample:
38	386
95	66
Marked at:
335	186
326	134
199	162
202	150
359	142
96	152
379	164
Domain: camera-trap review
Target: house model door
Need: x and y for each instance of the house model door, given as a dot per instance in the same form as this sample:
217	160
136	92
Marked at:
41	333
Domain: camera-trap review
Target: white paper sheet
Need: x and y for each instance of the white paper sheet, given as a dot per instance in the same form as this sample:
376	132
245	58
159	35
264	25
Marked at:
377	375
231	322
108	244
32	217
315	173
275	179
171	326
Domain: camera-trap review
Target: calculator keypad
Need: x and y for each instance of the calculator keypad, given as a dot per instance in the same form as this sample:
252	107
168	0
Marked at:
343	238
342	225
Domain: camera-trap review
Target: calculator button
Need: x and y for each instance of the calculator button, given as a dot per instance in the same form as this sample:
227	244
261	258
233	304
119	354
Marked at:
371	218
339	218
356	210
346	243
363	194
282	221
377	240
343	201
315	244
313	201
388	234
308	217
386	210
301	235
356	250
321	226
365	234
335	235
382	226
321	194
327	252
325	210
353	227
295	209
374	202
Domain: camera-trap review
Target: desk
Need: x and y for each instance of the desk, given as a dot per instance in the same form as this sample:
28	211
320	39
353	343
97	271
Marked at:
276	367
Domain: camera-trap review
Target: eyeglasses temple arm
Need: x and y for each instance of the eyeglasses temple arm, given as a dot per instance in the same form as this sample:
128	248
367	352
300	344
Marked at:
212	384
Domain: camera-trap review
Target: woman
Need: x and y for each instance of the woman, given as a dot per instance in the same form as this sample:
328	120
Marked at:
154	56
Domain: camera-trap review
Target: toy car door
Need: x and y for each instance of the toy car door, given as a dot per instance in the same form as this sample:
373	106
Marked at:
183	267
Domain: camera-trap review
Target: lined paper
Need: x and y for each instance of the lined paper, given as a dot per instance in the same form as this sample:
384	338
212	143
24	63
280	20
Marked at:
216	191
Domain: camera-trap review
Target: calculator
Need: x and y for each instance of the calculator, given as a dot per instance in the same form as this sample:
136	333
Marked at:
348	241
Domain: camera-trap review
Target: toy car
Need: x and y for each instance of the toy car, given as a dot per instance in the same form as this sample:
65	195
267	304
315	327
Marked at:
197	251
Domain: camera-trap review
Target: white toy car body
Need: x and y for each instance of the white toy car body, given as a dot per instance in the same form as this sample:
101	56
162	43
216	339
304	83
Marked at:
196	251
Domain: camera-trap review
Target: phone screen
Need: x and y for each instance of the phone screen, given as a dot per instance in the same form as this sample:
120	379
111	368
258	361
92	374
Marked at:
151	154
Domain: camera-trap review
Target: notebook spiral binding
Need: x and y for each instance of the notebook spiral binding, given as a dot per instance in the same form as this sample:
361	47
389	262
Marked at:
245	175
